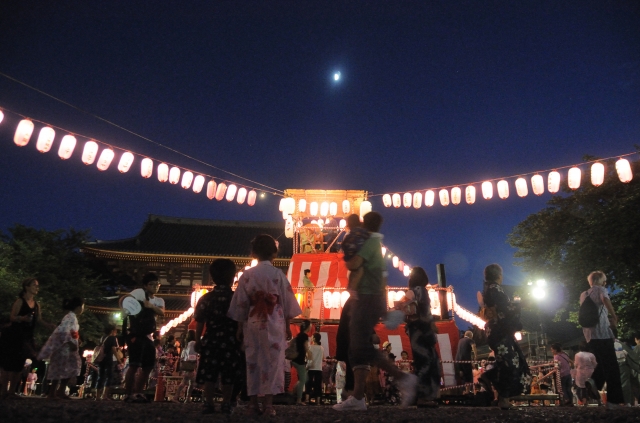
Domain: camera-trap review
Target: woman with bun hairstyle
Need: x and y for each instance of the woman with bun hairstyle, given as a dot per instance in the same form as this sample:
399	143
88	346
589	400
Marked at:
62	349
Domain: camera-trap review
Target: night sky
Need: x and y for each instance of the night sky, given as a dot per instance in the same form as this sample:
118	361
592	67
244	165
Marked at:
431	94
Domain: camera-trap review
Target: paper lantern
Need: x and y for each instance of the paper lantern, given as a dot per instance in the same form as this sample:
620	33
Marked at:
574	178
242	195
289	230
125	162
597	174
281	206
289	205
231	193
429	198
386	200
324	209
365	207
251	200
503	189
187	179
319	222
1	116
396	200
406	271
343	223
346	207
104	161
335	299
211	190
89	152
384	251
624	170
521	187
487	190
23	133
470	194
45	139
391	298
400	265
417	200
146	167
67	145
456	195
400	294
222	188
302	205
313	208
553	182
407	199
444	198
395	261
344	296
198	183
163	172
333	208
327	299
537	184
174	175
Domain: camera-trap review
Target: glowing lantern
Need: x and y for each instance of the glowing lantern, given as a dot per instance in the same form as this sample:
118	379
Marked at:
400	265
574	178
313	208
146	167
252	198
222	188
537	184
346	207
365	208
67	145
163	172
198	183
407	270
333	208
302	205
242	195
503	189
553	182
391	298
396	200
343	224
470	194
624	170
45	139
320	223
456	195
384	251
399	295
89	152
407	199
187	179
444	197
174	175
23	133
289	205
487	190
417	200
395	261
386	200
211	190
324	209
335	299
597	174
521	187
125	162
327	299
281	206
1	116
344	296
288	227
429	198
104	161
231	192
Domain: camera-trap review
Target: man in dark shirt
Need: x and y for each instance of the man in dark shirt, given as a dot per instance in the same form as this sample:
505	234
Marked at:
466	352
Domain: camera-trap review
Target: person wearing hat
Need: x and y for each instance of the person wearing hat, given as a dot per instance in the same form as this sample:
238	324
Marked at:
386	348
467	353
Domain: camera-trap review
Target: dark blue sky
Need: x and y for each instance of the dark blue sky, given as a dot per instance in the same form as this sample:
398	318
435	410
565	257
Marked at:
432	94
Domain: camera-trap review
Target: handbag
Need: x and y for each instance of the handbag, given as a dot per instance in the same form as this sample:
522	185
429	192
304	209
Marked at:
98	352
119	354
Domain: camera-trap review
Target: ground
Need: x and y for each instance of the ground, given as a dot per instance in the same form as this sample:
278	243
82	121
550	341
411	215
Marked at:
44	411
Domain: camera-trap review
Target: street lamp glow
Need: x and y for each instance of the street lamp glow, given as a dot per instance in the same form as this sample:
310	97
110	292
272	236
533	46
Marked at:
538	293
541	282
336	76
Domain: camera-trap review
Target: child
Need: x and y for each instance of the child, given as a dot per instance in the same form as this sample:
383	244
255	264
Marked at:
62	349
585	363
341	379
351	244
32	378
564	363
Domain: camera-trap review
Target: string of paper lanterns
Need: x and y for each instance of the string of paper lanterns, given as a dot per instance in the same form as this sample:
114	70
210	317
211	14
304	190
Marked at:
396	261
334	299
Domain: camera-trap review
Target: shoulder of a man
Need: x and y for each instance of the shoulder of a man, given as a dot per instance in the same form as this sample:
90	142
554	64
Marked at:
138	294
369	247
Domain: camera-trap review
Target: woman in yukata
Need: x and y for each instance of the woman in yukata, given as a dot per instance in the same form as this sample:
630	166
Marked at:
263	304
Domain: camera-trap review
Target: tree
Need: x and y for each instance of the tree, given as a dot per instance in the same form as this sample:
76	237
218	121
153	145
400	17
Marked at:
592	228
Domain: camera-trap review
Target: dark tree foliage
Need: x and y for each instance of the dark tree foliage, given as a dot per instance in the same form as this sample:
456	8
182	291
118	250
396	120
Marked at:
592	228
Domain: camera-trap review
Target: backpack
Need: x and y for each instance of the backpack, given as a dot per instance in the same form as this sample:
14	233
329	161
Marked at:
98	352
588	315
291	353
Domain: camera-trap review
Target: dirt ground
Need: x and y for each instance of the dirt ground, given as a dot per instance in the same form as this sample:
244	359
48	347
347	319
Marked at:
88	411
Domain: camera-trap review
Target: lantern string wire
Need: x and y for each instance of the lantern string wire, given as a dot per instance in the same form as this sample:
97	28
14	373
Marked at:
134	133
512	176
113	146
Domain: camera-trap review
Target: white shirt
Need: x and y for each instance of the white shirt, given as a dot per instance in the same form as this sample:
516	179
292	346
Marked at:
139	295
315	357
602	330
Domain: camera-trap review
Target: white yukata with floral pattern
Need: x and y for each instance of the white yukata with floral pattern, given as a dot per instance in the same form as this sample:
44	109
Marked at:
64	363
264	333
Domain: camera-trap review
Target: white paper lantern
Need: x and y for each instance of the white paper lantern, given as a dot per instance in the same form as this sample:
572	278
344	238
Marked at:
401	265
1	116
365	207
281	206
220	191
597	174
487	190
242	195
537	184
289	205
383	249
444	198
429	198
67	145
386	200
211	190
125	162
327	299
313	208
624	170
521	187
174	175
163	172
407	199
89	152
344	296
503	189
417	200
302	205
391	298
343	223
400	294
231	192
346	207
104	161
146	167
553	182
406	271
198	183
187	179
324	209
45	139
470	194
456	195
395	261
396	200
251	200
574	177
335	299
23	133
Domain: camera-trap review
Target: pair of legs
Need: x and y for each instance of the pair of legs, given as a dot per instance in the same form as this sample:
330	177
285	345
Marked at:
187	383
607	369
105	372
209	389
314	384
142	354
133	385
58	388
301	370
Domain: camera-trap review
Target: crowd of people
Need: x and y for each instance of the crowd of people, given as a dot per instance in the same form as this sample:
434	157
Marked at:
243	346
